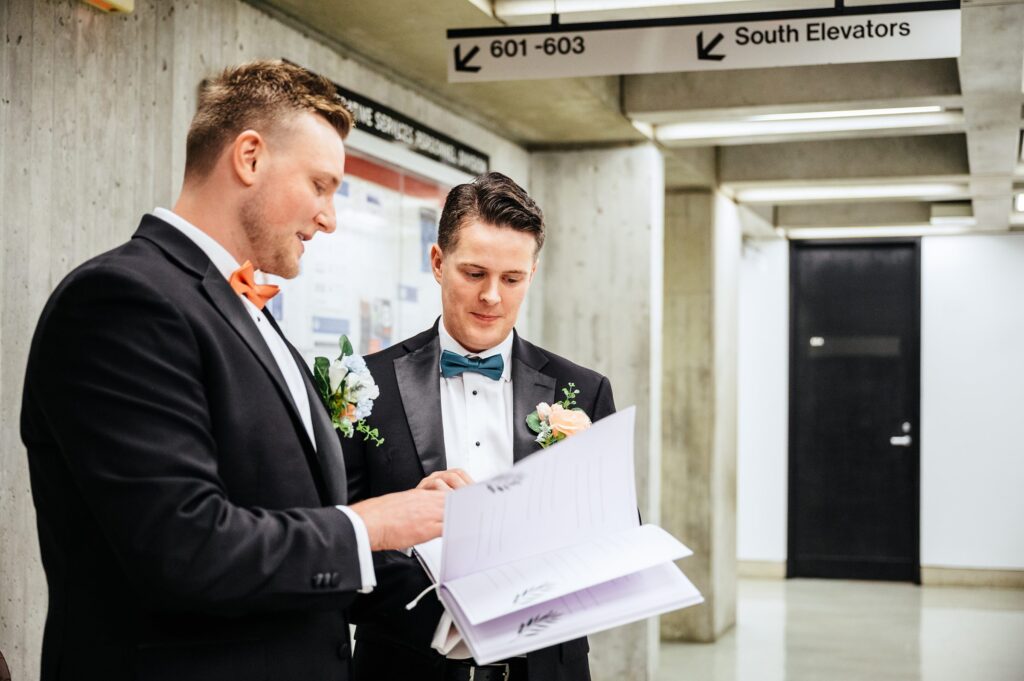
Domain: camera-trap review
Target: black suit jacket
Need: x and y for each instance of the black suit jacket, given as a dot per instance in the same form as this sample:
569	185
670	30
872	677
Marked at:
185	518
408	415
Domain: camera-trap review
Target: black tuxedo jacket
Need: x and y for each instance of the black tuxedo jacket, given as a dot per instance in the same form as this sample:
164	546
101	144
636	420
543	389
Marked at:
185	519
408	415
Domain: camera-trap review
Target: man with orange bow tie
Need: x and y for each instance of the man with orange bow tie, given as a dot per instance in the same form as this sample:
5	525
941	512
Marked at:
190	489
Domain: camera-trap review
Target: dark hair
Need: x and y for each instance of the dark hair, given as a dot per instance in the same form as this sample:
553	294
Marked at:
258	95
492	198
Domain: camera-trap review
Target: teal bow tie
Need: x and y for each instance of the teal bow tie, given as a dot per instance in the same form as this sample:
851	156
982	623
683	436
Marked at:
453	364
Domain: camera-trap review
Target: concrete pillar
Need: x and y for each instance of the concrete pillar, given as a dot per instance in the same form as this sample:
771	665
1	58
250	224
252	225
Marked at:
601	269
699	404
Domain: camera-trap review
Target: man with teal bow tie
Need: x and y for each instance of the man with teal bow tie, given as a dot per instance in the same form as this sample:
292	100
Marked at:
456	396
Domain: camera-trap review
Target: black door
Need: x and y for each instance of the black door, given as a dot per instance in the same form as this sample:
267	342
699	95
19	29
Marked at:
854	405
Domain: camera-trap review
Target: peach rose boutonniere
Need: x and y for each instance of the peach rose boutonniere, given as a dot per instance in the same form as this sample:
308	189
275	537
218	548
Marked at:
555	422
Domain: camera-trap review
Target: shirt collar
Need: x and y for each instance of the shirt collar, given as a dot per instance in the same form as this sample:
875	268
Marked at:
218	255
504	348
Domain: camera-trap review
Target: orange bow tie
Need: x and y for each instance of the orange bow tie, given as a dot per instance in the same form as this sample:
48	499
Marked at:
244	285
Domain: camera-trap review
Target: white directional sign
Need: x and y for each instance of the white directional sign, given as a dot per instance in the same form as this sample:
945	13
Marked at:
699	44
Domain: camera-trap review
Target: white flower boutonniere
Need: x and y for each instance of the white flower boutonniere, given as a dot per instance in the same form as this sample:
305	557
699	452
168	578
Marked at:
555	422
348	391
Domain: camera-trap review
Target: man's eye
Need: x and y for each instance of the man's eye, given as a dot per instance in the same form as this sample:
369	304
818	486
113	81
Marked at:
512	280
475	275
319	188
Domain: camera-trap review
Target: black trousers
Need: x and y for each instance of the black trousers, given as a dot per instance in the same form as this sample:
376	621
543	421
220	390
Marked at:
377	662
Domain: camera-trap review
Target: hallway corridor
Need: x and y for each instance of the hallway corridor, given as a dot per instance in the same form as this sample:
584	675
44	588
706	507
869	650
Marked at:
819	630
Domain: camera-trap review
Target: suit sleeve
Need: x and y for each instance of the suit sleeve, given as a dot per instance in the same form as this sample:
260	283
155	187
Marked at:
117	376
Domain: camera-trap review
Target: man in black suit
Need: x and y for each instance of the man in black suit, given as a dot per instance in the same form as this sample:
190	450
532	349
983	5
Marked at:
457	395
190	489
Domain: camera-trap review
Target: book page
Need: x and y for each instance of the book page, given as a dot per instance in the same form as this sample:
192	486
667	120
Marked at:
620	601
513	586
576	491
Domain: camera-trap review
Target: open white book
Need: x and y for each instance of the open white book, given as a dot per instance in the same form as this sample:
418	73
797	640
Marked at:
553	550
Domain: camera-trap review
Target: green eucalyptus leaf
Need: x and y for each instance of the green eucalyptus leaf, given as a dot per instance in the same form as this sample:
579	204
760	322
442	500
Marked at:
322	376
346	346
533	421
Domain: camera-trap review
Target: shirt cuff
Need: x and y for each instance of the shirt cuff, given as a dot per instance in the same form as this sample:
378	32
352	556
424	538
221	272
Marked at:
367	575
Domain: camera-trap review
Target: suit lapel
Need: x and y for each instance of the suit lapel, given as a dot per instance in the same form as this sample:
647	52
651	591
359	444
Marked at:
327	450
324	457
182	250
529	388
328	447
419	383
230	307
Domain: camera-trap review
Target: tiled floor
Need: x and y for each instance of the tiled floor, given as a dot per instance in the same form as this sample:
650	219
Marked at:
824	630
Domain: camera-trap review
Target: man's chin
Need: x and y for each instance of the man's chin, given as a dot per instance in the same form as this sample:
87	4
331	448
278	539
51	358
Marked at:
485	341
285	270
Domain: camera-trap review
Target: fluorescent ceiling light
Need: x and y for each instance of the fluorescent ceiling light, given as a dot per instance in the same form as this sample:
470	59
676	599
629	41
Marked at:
872	231
853	113
753	128
514	8
1018	203
953	220
788	194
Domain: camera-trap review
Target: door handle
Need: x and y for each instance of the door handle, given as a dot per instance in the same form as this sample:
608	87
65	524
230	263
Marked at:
900	440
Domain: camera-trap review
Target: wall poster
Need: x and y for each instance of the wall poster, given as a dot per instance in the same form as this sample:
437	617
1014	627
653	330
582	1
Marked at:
371	278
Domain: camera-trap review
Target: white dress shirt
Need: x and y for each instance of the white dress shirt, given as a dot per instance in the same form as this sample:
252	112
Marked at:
476	413
226	265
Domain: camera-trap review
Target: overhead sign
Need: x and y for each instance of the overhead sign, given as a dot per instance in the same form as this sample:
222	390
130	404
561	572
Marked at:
384	122
926	30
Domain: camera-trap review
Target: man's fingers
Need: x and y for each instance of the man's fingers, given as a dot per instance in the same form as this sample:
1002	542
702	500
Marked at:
449	480
462	475
402	519
455	478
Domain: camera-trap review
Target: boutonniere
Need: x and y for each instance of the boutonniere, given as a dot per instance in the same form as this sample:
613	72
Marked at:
348	391
555	422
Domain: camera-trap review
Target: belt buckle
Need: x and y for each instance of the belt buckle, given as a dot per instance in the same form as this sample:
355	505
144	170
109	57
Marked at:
504	674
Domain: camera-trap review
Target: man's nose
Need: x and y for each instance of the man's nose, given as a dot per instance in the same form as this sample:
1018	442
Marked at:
326	219
490	294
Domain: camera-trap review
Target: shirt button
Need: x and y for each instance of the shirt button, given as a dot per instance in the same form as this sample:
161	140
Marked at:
477	444
474	392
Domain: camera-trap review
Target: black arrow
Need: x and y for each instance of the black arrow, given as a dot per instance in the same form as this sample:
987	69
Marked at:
463	64
705	52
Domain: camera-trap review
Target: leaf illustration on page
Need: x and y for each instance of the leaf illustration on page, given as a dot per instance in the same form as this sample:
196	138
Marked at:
532	594
504	482
538	623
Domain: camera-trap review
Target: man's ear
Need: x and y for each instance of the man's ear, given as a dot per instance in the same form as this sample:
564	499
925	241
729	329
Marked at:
436	260
248	153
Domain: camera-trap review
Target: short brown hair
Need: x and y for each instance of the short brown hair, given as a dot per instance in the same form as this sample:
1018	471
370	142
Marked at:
492	198
258	95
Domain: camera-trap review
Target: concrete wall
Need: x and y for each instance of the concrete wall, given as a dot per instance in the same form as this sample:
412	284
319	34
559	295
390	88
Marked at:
702	247
972	391
93	114
602	309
